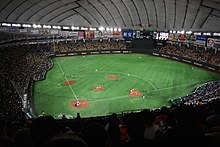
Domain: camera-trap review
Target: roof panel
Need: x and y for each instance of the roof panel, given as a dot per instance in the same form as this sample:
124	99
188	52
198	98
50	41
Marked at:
211	3
162	14
212	23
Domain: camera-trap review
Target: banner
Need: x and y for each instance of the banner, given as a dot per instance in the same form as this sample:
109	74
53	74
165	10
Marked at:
162	36
98	34
64	33
136	34
201	40
210	42
80	35
12	29
217	44
107	34
117	34
34	31
127	34
23	30
54	32
170	37
89	34
73	34
44	32
2	29
182	37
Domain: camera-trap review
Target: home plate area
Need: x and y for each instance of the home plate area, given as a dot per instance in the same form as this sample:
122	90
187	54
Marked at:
79	104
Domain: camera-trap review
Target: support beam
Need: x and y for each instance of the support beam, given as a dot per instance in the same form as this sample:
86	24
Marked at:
184	19
118	12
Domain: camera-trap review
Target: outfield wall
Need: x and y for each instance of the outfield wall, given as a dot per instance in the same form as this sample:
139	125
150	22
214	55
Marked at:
150	52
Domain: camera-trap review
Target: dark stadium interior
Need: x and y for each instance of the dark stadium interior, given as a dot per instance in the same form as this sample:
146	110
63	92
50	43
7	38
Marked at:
34	31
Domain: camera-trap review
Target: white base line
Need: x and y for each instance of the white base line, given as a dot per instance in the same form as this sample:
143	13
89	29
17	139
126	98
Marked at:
171	87
119	97
66	80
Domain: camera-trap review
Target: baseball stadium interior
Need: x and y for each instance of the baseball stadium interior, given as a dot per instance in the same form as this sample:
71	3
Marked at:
109	73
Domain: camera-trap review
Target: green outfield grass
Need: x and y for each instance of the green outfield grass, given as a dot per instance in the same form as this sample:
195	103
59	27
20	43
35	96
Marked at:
159	79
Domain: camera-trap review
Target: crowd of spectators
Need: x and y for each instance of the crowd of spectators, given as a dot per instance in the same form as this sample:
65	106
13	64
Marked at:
196	53
18	65
174	126
8	37
203	94
86	45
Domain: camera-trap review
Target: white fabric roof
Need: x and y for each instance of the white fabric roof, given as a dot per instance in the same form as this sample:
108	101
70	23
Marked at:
192	15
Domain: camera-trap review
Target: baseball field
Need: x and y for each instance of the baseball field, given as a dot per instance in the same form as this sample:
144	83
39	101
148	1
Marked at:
97	85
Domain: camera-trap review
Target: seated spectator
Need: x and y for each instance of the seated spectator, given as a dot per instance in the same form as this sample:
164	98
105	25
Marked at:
42	129
186	132
94	134
65	141
135	129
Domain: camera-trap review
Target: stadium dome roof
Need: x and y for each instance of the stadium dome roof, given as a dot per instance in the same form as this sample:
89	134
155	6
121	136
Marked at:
192	15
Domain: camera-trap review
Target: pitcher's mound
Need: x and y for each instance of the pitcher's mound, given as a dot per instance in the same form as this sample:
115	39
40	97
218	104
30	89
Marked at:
134	92
79	104
98	88
113	77
70	82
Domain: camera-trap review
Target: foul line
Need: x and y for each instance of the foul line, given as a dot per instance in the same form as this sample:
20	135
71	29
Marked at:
66	79
171	87
132	100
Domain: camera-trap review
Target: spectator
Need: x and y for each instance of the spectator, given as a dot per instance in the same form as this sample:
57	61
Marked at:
65	141
135	129
42	129
94	134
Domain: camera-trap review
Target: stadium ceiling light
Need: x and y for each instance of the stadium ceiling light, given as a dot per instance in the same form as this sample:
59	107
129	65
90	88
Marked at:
26	25
74	28
207	34
16	25
92	29
216	34
82	28
119	29
188	32
6	24
46	26
115	29
36	26
181	32
197	33
66	28
101	28
56	27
